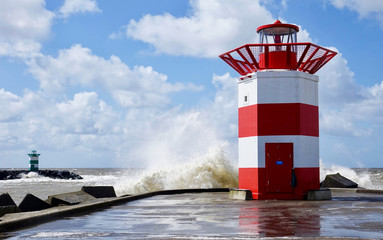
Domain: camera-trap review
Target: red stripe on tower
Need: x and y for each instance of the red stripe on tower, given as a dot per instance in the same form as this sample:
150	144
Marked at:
278	119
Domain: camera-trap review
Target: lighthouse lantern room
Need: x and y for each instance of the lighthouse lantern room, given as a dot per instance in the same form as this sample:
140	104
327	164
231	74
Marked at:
278	119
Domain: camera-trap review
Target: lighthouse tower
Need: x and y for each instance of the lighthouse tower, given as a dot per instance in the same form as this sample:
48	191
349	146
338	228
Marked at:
34	161
278	120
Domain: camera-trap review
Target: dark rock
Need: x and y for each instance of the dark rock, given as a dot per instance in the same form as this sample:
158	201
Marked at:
100	191
75	176
71	198
65	174
17	174
3	175
6	200
7	205
338	181
8	209
32	203
59	175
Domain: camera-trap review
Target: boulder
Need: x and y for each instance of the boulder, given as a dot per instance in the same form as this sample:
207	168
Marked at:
16	174
7	205
32	203
338	181
99	191
75	176
6	200
8	209
3	175
71	198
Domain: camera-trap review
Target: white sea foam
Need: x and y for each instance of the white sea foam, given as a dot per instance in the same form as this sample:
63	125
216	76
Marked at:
212	170
74	235
29	175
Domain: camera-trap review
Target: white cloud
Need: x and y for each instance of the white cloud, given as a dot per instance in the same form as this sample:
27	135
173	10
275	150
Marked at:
34	119
11	106
346	107
23	25
337	85
365	8
78	67
85	114
342	123
212	28
370	108
78	6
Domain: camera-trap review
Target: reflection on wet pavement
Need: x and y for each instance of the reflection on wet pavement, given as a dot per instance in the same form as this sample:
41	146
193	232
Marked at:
213	215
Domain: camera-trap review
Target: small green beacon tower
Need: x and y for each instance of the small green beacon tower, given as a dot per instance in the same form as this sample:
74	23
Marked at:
34	161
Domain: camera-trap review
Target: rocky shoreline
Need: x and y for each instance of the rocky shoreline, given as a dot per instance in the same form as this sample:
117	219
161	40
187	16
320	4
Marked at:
55	174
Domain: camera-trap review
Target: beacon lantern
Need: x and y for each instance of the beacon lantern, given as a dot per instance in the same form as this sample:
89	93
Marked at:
278	119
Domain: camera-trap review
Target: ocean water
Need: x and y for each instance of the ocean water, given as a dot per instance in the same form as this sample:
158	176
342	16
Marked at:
211	171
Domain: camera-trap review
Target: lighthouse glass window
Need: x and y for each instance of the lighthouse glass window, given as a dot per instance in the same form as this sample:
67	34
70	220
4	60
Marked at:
277	35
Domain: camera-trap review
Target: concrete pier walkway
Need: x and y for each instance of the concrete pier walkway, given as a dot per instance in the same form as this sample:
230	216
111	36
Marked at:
211	215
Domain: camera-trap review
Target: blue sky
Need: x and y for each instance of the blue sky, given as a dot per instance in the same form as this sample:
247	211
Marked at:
114	83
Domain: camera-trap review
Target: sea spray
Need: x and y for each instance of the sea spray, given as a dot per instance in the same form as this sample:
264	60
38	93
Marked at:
212	170
29	175
362	178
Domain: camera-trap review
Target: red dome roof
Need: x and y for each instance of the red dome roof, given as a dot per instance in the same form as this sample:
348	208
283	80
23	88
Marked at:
278	24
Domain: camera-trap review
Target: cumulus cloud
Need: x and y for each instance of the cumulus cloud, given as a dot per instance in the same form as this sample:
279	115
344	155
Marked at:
342	123
346	107
211	28
365	8
337	84
34	118
88	115
23	25
71	7
11	106
78	67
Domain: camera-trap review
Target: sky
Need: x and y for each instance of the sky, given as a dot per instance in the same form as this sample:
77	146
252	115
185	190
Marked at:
116	83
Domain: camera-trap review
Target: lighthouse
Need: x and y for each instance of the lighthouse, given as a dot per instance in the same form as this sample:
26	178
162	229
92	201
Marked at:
278	119
34	161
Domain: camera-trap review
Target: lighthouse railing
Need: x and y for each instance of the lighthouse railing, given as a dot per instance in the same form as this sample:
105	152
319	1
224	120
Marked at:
305	57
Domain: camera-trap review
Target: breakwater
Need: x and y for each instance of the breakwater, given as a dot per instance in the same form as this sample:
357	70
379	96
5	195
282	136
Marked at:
55	174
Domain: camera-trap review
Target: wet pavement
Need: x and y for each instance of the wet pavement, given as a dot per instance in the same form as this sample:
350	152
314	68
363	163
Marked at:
214	216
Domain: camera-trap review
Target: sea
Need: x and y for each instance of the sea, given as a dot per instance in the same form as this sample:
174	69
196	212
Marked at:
215	171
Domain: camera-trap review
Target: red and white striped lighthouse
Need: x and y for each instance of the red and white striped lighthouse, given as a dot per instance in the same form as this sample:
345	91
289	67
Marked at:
278	120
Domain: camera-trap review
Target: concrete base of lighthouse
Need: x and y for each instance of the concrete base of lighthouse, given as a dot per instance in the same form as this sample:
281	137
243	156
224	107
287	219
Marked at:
278	134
